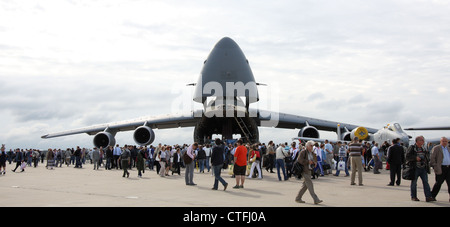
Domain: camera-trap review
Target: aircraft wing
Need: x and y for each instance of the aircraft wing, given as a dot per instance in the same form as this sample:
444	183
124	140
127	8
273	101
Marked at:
430	128
160	122
291	121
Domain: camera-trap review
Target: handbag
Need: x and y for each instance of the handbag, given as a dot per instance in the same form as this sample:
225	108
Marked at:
230	169
253	159
186	158
409	172
326	166
297	170
341	165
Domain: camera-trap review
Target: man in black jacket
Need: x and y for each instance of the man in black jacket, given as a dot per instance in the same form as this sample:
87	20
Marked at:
396	158
418	157
217	164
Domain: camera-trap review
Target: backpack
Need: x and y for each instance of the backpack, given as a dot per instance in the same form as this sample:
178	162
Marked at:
125	154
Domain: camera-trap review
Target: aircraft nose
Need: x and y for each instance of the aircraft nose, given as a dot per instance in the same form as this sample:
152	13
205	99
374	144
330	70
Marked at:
226	64
226	43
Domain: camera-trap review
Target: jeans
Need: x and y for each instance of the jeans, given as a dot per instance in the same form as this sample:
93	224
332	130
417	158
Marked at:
346	167
201	165
422	173
217	169
280	164
208	160
108	163
78	162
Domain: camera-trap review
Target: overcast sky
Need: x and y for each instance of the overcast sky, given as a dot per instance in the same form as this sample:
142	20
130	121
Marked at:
71	64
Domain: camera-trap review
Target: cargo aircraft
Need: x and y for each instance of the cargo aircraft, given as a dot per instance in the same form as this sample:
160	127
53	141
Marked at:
226	87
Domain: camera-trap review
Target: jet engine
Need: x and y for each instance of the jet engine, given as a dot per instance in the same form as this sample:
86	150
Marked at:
104	139
309	131
360	132
346	136
144	136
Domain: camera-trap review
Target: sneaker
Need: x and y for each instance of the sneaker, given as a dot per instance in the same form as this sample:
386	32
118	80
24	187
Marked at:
236	187
317	202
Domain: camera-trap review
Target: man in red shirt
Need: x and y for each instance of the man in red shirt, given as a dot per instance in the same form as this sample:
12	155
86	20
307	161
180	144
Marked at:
240	164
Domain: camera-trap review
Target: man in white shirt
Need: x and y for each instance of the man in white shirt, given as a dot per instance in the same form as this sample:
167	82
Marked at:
208	150
116	154
376	159
189	173
329	155
280	155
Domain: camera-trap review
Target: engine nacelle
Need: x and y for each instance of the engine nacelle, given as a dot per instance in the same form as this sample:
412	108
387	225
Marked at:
360	132
104	139
346	136
309	131
144	136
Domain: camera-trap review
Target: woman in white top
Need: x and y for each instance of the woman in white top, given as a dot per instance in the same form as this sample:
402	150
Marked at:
162	162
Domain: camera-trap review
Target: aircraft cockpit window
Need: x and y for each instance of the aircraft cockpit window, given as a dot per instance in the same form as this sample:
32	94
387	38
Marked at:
398	128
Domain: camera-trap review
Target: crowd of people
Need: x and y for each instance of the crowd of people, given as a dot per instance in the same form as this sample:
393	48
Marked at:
244	160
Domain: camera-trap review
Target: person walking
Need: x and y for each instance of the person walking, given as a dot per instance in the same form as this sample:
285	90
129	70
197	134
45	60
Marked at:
418	158
140	163
176	164
50	159
208	150
256	163
356	151
201	157
217	161
67	156
377	164
109	154
190	164
341	157
306	159
240	164
280	155
162	162
440	161
18	159
116	155
3	160
396	158
271	157
328	148
95	157
78	155
125	160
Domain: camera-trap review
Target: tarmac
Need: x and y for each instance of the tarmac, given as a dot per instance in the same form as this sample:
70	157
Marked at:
71	187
